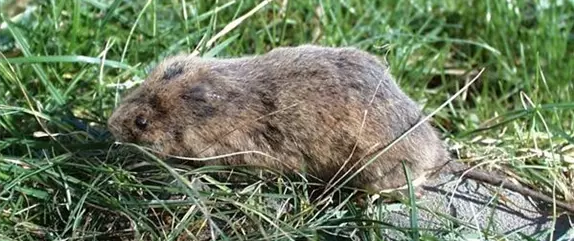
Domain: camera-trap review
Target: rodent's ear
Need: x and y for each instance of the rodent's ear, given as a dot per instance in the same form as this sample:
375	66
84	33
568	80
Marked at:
196	93
200	93
201	90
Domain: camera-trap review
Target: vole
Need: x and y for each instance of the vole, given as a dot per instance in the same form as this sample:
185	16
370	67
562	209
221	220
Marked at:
311	109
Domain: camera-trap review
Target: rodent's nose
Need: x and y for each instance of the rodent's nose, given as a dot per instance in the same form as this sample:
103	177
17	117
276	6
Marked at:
114	129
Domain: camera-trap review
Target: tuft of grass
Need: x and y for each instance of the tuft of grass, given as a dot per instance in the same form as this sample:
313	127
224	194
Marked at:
65	64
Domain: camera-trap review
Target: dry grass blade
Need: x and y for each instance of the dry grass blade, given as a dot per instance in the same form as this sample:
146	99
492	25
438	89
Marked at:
230	26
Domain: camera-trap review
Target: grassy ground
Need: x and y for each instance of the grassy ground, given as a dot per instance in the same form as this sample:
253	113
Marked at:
518	116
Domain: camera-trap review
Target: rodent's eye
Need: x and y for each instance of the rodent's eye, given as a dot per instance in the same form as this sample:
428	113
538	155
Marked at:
141	122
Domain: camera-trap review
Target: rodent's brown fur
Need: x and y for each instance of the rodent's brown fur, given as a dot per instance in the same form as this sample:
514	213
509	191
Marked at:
303	105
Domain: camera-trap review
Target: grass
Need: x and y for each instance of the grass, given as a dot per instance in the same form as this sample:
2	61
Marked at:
60	179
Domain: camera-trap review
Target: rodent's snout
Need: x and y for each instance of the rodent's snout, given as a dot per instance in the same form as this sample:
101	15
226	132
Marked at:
124	127
114	127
